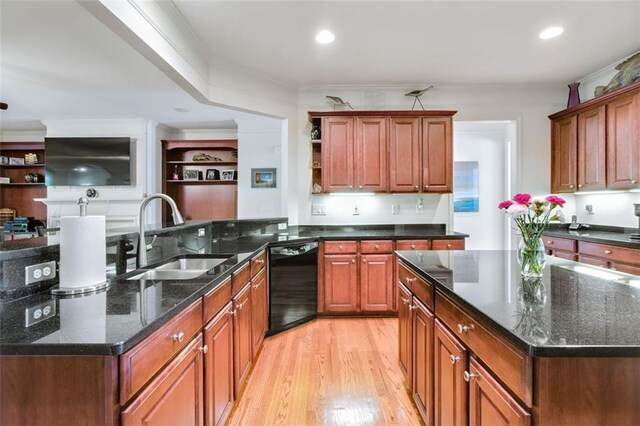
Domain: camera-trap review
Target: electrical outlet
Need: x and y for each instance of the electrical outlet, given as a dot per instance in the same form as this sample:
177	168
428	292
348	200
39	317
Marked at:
395	208
39	312
201	232
589	208
201	250
40	272
356	211
318	210
282	226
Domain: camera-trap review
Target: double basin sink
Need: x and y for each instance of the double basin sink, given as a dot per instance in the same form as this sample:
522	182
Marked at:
185	268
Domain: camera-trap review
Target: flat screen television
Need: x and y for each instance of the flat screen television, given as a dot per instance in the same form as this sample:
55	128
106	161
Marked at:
87	161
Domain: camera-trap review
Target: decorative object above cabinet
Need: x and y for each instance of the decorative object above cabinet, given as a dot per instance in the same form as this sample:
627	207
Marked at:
382	151
596	145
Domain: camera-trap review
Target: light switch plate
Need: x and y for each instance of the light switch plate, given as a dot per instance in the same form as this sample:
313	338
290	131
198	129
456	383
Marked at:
395	208
318	210
201	232
39	312
40	272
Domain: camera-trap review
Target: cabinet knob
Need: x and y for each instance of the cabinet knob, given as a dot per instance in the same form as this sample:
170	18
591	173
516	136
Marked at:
465	328
415	187
353	261
350	186
360	187
364	260
454	358
178	337
448	245
571	186
634	181
426	187
411	279
233	313
468	376
405	301
607	252
580	186
412	307
413	246
377	247
549	242
204	349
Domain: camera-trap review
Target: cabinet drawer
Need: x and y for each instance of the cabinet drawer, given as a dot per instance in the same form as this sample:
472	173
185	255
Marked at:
371	247
509	364
216	299
564	255
257	263
418	286
555	243
413	245
610	253
627	269
240	278
447	245
594	261
142	362
340	247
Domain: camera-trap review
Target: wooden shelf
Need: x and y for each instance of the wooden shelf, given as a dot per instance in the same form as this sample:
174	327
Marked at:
204	163
22	184
17	166
204	182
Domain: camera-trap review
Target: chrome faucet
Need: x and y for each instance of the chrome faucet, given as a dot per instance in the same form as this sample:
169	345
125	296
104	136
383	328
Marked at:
142	244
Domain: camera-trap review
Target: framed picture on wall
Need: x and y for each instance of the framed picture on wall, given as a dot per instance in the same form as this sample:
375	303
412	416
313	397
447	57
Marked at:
212	174
263	178
190	174
228	175
466	187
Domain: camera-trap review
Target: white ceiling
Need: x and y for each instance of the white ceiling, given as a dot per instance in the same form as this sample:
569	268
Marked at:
58	61
404	42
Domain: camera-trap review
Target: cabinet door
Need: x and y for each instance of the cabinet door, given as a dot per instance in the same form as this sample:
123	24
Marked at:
423	360
437	154
340	283
218	367
404	161
592	149
405	332
372	166
258	310
175	396
450	390
564	151
376	282
337	154
623	142
489	403
242	344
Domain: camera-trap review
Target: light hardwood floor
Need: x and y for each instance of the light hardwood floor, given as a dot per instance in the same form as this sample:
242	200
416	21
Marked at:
328	372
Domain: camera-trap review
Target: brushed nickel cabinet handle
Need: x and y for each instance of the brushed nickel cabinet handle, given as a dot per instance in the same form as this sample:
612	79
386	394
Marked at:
465	328
454	358
580	186
549	242
364	260
377	247
571	186
405	301
204	349
607	252
413	246
233	313
353	261
411	279
412	307
468	376
415	187
426	187
340	247
178	337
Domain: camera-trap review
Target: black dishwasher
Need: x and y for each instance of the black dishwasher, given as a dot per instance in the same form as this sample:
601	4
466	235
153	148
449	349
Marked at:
293	285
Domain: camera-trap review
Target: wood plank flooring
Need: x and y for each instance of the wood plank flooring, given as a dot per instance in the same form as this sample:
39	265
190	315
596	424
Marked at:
329	372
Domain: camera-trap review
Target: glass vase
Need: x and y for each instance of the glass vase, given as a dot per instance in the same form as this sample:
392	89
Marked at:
532	258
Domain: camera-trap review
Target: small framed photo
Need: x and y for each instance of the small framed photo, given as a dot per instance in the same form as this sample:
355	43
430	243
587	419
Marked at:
4	160
263	178
190	174
212	174
228	175
16	161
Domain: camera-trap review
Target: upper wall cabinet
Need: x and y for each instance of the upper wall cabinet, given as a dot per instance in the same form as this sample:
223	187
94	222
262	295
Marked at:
383	151
596	145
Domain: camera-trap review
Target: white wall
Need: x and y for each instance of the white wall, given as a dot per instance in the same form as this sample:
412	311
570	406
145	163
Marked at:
529	106
614	209
486	143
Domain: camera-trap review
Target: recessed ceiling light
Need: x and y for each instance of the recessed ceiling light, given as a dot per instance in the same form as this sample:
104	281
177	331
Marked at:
325	37
551	32
180	109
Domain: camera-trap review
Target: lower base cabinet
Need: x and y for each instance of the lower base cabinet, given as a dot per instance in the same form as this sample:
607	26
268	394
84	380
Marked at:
218	367
242	342
405	332
450	390
175	396
259	323
423	360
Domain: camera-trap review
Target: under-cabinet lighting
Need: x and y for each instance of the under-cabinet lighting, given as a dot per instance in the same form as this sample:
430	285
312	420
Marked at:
351	194
600	192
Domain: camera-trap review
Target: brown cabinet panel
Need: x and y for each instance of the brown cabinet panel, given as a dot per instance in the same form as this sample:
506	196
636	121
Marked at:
374	246
623	142
610	253
564	151
371	154
242	343
451	394
489	403
592	149
404	148
627	269
405	334
337	154
413	245
376	282
240	278
258	310
340	283
216	299
218	367
594	261
556	243
258	263
340	247
423	360
437	154
447	245
175	396
563	254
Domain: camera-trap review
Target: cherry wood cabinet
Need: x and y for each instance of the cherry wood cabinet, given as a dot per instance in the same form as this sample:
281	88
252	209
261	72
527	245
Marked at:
258	310
340	283
376	276
437	154
404	153
592	149
422	360
218	367
451	393
18	194
371	154
564	149
405	331
489	403
175	395
242	342
563	248
623	132
337	154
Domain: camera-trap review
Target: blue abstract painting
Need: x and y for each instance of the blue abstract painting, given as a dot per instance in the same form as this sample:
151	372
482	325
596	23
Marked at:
466	193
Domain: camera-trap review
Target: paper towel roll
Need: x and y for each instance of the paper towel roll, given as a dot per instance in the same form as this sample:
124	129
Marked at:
83	251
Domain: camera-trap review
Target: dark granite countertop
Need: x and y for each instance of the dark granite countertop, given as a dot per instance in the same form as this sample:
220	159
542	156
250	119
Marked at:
613	235
588	312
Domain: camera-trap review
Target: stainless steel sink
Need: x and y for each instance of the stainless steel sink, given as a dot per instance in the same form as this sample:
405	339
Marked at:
181	269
